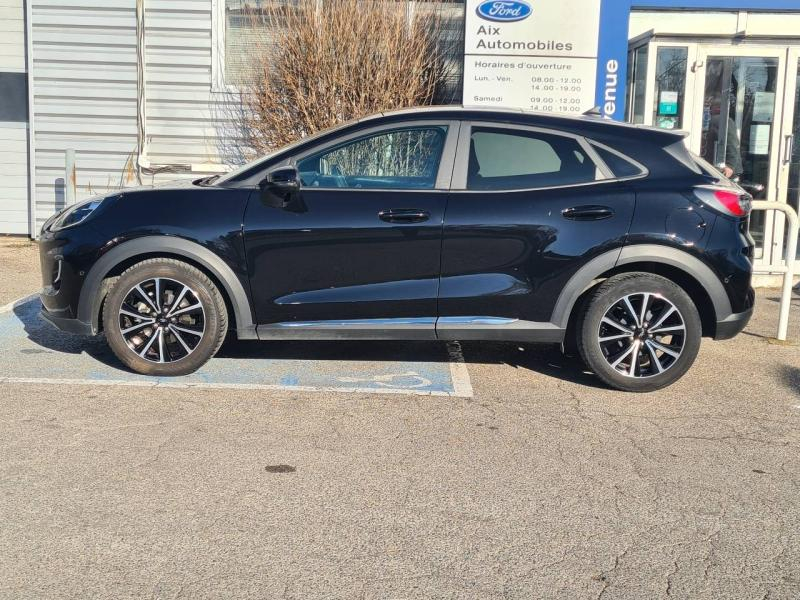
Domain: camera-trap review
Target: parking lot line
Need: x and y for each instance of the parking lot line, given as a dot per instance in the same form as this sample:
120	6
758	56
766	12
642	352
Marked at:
157	383
462	385
420	370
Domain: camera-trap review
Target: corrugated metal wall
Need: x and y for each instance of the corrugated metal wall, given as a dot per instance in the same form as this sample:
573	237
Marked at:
186	120
84	84
12	35
13	133
178	78
85	69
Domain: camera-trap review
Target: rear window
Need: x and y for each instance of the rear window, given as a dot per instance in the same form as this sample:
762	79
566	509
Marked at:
620	165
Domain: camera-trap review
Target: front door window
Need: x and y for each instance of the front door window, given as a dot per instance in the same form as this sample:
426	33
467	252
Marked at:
738	120
401	159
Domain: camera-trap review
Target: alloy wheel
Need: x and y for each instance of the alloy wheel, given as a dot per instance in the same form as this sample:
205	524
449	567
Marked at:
642	335
162	320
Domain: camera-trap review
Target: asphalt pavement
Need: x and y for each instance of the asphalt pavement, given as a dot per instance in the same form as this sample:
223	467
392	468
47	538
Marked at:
310	470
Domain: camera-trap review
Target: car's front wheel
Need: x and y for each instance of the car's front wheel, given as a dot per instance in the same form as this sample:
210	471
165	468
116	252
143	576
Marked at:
164	317
639	332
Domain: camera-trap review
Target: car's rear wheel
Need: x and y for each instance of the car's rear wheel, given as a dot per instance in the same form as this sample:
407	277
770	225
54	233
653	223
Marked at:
164	317
639	332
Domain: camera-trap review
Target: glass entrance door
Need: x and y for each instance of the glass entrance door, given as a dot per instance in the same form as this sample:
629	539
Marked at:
741	100
789	183
740	103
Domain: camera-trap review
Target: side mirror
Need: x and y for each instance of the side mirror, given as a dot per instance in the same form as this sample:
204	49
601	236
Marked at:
280	187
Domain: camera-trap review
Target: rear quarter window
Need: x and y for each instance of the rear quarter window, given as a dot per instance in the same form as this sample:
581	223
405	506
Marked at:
513	159
620	165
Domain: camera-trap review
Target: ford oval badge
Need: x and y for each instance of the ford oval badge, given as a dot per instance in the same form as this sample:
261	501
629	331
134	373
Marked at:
504	11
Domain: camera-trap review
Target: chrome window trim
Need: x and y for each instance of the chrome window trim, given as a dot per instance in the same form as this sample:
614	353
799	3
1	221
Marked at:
446	161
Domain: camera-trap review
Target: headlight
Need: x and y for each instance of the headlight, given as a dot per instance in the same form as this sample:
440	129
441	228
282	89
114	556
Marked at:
75	214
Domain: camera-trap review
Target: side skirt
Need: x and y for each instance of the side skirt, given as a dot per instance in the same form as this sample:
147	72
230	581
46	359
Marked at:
423	328
497	329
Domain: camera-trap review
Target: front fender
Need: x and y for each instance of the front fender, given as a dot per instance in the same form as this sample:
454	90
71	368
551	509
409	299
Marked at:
94	290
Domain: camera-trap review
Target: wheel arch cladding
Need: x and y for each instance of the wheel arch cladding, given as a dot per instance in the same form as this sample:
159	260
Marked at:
143	248
672	263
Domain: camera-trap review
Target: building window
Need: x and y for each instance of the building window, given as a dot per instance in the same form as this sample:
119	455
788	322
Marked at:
14	94
251	25
670	87
637	84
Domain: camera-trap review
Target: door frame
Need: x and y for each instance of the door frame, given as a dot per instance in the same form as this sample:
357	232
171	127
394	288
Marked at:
773	237
787	140
687	114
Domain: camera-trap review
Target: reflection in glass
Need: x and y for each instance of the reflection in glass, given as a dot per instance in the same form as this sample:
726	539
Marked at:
670	87
637	85
738	116
794	167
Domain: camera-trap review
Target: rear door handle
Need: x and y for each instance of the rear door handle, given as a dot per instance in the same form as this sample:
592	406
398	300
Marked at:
588	213
404	215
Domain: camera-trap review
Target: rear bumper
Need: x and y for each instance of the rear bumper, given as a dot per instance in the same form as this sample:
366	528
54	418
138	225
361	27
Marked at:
68	324
733	325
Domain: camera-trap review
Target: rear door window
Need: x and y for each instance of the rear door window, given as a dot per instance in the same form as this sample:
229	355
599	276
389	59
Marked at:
506	159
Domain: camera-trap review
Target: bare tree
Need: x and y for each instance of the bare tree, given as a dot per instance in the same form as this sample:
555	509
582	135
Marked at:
323	62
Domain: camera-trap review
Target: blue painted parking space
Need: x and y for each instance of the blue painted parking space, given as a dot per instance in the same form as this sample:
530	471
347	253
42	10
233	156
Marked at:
32	350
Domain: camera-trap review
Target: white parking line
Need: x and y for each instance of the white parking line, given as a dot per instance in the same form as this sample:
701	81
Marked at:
233	386
461	384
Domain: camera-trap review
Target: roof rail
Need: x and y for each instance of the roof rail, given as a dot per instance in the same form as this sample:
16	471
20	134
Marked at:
593	112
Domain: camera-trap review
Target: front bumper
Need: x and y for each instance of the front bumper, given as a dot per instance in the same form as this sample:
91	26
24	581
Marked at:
66	257
68	324
733	325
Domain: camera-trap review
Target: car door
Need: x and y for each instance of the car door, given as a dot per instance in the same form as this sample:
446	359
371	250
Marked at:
528	208
357	250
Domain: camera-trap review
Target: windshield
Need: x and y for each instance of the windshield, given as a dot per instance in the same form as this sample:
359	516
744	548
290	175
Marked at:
231	175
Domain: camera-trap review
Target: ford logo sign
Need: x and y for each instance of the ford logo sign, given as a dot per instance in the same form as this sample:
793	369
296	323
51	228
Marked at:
505	11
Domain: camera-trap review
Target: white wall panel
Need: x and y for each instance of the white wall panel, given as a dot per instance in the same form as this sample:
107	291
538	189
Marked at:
186	123
84	80
14	175
14	215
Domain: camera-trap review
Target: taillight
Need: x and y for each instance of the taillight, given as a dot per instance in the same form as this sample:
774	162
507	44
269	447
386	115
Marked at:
726	200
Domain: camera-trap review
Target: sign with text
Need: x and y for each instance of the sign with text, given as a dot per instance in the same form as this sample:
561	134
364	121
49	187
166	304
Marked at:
532	54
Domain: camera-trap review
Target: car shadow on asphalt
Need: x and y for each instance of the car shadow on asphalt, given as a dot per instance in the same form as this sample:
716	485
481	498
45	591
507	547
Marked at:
544	359
790	376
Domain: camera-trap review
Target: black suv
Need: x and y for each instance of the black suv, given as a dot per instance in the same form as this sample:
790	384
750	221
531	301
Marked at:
425	224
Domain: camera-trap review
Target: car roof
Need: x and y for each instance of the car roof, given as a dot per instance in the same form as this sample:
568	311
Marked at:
506	115
607	131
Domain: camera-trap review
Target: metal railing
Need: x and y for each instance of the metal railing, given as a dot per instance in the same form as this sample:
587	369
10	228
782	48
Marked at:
788	268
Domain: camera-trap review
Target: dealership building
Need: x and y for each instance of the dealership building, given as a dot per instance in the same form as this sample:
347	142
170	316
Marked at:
139	89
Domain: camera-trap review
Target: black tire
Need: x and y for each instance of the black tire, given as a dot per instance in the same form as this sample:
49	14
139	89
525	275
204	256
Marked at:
659	353
187	340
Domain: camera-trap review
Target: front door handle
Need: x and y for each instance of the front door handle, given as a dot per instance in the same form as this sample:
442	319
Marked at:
404	215
588	213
